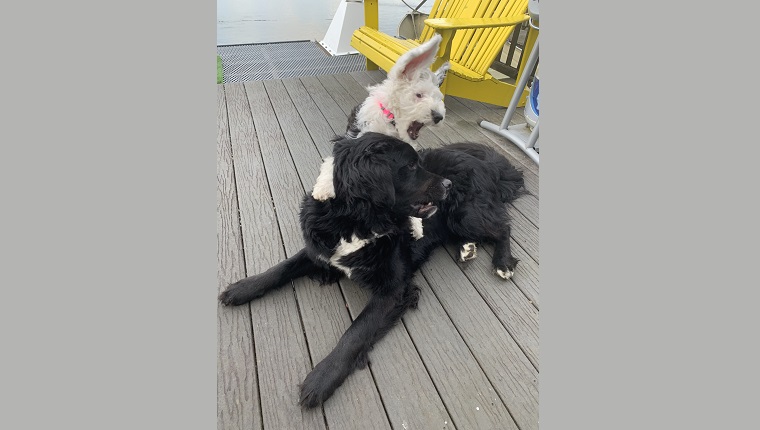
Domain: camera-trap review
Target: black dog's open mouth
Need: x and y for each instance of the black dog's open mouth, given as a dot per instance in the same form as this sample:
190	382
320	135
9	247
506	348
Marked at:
414	130
424	210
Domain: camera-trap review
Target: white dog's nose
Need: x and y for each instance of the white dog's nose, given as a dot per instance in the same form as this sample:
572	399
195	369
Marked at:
437	117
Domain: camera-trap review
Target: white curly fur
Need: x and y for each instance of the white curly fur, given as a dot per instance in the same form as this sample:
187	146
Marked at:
410	92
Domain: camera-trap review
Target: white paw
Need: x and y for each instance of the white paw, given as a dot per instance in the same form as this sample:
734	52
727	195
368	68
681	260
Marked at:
323	188
468	252
504	274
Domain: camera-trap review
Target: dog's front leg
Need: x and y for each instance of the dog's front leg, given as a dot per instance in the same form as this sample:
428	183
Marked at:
252	287
378	317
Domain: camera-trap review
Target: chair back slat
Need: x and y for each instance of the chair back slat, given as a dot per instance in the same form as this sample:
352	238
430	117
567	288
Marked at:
476	49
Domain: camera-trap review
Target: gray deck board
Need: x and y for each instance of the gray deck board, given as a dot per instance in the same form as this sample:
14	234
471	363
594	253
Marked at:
524	232
326	105
510	305
512	374
468	394
281	353
408	393
323	309
467	358
237	381
312	116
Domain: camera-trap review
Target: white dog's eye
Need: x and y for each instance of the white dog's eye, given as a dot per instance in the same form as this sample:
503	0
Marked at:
419	96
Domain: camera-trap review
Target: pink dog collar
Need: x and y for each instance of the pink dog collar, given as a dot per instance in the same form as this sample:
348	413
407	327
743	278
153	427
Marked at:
387	113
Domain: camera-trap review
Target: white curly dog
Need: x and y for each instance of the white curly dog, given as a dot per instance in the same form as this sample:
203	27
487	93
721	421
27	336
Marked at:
407	100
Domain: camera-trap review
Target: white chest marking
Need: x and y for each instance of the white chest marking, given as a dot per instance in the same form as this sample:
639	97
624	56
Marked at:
348	247
416	227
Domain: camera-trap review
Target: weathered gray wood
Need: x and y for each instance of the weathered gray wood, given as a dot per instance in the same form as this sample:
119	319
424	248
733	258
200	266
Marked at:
326	104
237	385
409	395
300	145
467	393
323	309
527	205
524	232
345	100
357	403
513	376
281	353
505	300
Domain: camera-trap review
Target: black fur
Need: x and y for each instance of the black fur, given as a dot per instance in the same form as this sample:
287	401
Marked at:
352	129
379	183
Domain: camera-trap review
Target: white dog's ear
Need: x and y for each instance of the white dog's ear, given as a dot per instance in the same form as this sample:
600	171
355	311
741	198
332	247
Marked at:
416	59
440	74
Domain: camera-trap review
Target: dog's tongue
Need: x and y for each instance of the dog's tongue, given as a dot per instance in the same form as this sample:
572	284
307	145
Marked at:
425	210
414	130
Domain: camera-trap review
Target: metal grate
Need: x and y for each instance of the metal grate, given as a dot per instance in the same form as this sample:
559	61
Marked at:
256	62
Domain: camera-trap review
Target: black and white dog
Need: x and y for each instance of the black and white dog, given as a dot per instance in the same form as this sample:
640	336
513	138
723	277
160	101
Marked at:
363	233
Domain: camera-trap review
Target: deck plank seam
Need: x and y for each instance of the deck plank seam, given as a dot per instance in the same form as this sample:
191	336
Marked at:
474	356
340	132
477	290
241	244
284	249
422	359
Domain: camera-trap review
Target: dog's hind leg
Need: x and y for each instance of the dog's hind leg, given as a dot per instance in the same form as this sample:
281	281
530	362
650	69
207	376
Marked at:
503	262
253	287
378	317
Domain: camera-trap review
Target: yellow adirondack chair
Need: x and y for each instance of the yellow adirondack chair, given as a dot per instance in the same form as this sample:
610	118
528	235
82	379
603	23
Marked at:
474	33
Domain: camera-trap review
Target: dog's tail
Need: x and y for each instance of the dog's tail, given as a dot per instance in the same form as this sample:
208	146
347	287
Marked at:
511	182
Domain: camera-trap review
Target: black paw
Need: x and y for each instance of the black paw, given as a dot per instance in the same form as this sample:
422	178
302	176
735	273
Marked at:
321	383
412	297
234	295
506	271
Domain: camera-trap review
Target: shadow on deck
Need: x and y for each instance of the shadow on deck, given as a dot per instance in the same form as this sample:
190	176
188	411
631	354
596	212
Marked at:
467	358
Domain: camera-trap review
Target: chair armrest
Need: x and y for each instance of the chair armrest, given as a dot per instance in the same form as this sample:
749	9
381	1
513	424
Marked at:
463	23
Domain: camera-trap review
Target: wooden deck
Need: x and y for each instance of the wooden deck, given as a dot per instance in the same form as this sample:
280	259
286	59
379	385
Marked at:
467	358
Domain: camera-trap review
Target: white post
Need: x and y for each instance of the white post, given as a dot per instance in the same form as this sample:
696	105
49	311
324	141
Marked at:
348	17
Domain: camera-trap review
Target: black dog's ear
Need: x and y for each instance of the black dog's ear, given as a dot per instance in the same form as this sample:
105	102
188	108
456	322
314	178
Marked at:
362	172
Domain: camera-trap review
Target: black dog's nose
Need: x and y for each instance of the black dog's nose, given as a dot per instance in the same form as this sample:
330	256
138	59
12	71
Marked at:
436	116
446	184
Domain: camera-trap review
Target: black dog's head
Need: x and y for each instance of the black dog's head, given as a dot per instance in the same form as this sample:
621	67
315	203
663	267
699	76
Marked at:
386	172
